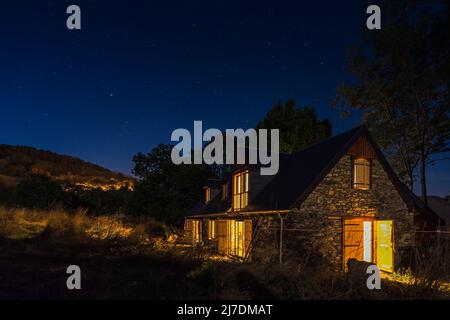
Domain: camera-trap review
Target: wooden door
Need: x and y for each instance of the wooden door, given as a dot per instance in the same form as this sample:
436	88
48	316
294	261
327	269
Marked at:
353	240
222	237
385	255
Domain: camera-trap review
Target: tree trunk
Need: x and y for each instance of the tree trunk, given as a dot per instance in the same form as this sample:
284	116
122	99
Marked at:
411	181
423	182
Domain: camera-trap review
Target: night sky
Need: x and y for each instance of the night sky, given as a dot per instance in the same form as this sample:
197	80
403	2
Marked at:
140	69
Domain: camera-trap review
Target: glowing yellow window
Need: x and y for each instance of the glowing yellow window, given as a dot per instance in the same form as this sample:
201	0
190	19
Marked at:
237	238
211	229
240	190
361	174
196	231
207	195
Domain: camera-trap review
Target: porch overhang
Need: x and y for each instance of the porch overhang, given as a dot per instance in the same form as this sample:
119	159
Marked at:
239	214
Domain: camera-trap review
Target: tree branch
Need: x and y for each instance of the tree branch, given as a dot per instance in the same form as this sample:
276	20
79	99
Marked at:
436	160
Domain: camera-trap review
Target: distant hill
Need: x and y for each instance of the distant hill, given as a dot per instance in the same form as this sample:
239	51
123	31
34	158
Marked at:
19	162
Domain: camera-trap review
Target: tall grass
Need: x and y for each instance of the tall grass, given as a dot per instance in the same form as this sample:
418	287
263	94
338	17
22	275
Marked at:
120	256
59	224
129	257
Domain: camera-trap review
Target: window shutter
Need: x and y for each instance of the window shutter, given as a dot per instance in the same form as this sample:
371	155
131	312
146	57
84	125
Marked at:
248	238
188	230
361	173
222	236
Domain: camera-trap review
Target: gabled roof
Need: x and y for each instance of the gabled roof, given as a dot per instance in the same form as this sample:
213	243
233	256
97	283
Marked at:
302	171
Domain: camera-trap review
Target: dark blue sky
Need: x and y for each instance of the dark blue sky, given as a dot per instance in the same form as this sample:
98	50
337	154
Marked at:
140	69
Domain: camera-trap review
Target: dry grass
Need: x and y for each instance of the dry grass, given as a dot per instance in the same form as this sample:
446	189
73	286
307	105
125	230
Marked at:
120	257
128	258
429	268
26	224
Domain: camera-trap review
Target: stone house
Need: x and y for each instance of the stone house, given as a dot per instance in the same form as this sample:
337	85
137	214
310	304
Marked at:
333	201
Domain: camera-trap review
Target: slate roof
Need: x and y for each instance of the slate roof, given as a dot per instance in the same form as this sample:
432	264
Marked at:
300	172
215	205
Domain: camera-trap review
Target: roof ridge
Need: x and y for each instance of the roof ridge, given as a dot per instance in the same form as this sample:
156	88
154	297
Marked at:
355	129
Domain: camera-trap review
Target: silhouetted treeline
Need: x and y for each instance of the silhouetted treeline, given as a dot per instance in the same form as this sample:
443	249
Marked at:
164	191
41	192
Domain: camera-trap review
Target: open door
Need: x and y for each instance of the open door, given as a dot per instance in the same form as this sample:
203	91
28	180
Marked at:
385	257
353	240
358	240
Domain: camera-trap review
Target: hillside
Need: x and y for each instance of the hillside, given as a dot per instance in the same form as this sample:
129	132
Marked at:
19	162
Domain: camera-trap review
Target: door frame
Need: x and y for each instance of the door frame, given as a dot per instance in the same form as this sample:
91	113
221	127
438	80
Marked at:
374	232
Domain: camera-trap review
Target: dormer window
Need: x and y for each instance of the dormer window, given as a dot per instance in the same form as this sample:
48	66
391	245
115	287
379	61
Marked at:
207	195
240	190
361	174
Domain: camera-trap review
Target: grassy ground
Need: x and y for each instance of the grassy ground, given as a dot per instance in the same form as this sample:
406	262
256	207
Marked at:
139	259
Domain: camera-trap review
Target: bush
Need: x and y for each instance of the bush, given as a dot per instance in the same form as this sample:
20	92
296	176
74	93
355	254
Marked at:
38	192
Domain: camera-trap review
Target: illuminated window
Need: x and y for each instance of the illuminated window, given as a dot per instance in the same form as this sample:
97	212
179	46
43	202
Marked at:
237	235
240	190
211	229
207	195
196	231
361	174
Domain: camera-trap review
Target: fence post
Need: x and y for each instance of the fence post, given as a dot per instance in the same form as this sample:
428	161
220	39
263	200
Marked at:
281	240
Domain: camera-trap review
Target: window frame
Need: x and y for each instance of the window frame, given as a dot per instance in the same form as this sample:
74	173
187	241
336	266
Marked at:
237	238
196	231
211	229
367	169
241	186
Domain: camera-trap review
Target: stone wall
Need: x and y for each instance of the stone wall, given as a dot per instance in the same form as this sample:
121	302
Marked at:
313	231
